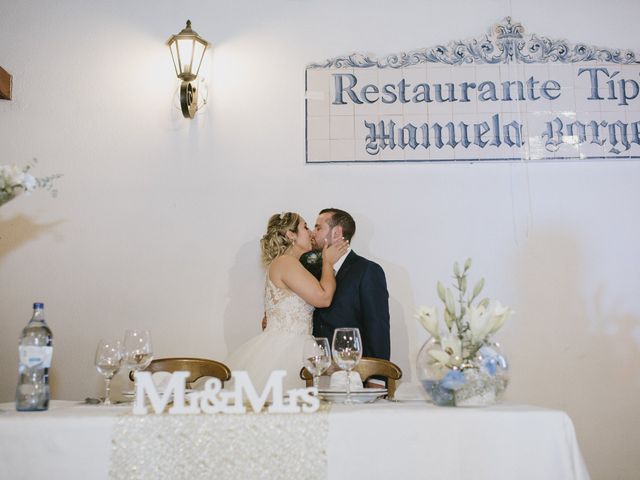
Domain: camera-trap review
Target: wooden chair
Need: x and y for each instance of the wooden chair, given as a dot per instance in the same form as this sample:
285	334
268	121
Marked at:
367	367
198	367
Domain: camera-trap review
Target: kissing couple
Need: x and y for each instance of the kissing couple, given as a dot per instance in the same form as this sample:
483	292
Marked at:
349	291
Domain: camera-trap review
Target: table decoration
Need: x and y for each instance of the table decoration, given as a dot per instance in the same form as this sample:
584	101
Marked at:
250	446
213	399
460	364
14	181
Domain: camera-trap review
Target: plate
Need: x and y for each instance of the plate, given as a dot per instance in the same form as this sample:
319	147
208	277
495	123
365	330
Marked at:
130	395
365	395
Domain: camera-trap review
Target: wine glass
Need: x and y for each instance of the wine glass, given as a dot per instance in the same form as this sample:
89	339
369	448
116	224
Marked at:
316	357
138	352
347	352
108	360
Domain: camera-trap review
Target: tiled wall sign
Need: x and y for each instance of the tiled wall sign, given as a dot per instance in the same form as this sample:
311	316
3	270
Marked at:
503	96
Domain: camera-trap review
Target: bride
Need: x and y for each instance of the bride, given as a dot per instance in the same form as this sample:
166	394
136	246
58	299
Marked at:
290	295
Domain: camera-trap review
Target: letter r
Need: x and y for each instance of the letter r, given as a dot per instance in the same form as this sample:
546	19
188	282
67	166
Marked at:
340	88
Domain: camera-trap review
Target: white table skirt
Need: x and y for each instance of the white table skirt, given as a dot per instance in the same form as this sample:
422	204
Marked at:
417	440
380	440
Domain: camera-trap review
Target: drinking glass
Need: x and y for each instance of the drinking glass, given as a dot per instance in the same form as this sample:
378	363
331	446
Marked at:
138	352
347	352
108	360
316	357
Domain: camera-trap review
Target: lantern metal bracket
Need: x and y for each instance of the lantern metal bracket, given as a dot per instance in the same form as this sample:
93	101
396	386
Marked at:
188	99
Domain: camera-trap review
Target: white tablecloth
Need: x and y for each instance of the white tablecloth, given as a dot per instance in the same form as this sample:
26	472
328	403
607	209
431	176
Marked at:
418	440
380	440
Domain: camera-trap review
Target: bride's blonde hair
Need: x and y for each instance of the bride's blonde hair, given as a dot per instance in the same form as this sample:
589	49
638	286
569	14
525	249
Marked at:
275	242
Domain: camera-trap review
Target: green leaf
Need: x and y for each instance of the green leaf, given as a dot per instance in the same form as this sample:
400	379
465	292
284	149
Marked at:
463	285
484	302
456	269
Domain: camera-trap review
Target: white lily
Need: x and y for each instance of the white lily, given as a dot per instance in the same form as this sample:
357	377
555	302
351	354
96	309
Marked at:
500	315
440	356
480	323
451	353
429	320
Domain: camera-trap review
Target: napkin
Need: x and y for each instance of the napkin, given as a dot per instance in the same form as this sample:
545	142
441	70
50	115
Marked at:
339	381
410	392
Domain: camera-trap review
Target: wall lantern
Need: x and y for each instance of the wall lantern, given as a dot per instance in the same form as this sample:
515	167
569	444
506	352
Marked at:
187	50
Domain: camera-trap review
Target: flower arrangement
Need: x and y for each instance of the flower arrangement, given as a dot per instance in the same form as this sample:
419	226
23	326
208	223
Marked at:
312	261
460	362
14	181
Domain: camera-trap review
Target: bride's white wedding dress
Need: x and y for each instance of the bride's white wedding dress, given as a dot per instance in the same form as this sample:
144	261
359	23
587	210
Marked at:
279	346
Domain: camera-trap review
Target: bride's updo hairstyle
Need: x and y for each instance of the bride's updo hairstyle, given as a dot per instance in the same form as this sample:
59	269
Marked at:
275	242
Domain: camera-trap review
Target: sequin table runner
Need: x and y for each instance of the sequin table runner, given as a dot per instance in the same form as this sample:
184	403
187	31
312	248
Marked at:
243	446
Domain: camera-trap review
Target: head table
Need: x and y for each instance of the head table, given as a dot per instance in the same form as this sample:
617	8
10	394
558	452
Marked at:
379	440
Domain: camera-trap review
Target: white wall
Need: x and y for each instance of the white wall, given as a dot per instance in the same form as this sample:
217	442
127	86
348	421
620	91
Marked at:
158	218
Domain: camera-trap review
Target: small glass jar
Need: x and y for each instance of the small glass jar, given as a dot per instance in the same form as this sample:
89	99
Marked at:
477	382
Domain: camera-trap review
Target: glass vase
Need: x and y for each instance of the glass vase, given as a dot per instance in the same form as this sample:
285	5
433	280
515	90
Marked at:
477	382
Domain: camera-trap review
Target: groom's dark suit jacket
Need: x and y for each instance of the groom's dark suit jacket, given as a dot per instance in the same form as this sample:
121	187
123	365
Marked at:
361	300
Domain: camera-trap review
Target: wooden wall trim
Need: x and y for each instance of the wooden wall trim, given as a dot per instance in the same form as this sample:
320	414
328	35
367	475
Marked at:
5	84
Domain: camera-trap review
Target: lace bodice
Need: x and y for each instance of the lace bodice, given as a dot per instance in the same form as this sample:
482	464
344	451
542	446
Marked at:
286	311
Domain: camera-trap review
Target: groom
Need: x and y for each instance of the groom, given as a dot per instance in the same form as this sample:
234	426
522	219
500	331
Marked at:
361	298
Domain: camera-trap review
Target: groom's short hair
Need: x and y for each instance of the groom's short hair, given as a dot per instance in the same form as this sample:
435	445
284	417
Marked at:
342	218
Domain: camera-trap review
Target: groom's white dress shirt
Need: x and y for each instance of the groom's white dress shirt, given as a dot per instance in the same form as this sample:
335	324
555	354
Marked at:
340	261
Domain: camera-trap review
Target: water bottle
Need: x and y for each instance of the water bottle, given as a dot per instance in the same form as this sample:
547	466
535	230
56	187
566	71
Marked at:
35	350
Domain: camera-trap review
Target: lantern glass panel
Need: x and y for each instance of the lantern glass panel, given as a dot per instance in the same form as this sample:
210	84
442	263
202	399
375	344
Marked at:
185	52
175	57
198	54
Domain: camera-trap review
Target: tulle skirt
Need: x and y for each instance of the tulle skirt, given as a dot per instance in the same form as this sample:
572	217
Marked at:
268	351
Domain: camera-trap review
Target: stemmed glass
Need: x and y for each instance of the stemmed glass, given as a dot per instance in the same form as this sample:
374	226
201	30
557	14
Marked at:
347	352
316	357
108	360
138	352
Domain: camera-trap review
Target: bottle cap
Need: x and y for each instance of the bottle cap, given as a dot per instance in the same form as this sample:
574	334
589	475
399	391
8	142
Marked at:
38	305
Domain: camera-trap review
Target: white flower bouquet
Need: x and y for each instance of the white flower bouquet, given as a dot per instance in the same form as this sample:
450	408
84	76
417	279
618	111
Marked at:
14	181
460	364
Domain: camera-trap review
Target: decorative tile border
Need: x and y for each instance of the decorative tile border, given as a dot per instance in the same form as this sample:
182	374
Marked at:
502	96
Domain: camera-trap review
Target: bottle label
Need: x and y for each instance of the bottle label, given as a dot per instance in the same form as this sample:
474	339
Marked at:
33	356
